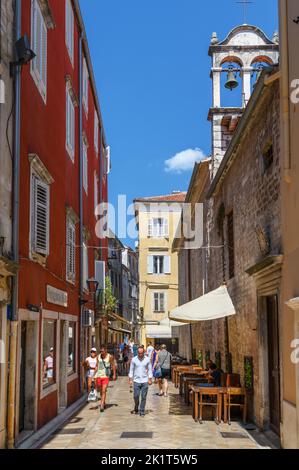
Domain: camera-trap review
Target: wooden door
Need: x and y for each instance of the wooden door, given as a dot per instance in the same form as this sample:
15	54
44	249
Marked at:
273	363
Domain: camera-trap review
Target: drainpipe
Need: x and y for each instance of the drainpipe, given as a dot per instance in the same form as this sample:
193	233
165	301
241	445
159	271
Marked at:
190	298
285	89
11	402
81	205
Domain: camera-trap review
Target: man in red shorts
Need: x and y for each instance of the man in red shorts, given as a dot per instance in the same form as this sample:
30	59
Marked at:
105	364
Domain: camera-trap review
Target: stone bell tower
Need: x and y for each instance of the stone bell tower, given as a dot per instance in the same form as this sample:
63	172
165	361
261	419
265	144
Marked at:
243	52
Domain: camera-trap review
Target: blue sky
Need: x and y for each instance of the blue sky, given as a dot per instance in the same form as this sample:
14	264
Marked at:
152	70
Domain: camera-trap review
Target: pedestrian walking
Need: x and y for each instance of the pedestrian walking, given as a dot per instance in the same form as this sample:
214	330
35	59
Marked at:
104	369
149	349
90	364
140	376
126	357
163	361
156	370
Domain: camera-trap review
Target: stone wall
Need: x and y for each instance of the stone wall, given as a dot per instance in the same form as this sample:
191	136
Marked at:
6	55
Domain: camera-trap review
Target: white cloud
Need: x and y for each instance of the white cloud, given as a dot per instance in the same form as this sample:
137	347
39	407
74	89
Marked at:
184	161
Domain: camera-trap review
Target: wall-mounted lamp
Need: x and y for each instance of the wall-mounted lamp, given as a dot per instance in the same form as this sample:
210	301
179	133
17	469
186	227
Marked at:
24	54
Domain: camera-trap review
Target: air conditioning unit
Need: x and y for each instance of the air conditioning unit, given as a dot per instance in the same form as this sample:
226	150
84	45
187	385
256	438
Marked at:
88	318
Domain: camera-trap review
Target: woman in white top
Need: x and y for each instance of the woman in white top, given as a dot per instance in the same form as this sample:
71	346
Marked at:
90	365
49	367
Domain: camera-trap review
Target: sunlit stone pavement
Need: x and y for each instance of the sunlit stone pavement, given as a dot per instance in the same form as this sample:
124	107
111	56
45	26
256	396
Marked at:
169	419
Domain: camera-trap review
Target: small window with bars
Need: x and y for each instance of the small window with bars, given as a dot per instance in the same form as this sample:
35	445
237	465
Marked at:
231	245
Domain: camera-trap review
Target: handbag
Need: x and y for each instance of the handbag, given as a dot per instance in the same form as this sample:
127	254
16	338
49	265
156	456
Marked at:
157	372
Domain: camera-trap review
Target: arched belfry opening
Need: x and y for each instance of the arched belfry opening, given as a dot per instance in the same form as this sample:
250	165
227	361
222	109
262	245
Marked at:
237	62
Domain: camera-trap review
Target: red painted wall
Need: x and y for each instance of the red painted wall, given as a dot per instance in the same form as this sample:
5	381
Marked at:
43	131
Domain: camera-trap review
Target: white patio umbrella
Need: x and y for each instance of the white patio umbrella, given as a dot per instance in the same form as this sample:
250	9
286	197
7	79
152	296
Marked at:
212	306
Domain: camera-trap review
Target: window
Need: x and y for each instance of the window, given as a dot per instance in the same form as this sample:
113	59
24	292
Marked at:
159	299
158	264
70	251
158	227
71	363
69	29
96	192
85	168
49	352
70	125
38	65
85	86
96	131
85	266
40	202
268	156
231	244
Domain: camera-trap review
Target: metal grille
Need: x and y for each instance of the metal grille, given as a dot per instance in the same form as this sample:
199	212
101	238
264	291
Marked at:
70	431
136	435
234	435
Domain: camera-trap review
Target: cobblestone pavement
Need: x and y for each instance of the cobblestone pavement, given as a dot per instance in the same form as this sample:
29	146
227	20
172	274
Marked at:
169	419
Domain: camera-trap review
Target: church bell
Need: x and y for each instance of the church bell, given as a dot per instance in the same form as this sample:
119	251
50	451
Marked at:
231	81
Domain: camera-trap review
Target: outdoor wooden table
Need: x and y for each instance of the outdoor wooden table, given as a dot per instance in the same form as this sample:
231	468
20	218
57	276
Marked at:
198	403
188	382
184	375
177	372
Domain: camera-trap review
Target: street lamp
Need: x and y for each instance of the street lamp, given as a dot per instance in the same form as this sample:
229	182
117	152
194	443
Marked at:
92	285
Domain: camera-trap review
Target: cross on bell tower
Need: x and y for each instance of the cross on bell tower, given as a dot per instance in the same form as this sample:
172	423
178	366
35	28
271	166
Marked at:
245	46
245	4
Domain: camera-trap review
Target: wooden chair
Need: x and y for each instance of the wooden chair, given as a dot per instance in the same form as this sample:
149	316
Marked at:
229	395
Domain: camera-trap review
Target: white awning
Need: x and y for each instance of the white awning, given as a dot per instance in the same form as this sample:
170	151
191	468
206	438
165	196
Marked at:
212	306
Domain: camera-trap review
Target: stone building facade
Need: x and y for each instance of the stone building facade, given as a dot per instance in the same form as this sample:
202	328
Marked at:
245	194
7	268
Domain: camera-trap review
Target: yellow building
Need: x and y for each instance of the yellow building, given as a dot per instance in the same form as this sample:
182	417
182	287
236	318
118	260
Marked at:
158	220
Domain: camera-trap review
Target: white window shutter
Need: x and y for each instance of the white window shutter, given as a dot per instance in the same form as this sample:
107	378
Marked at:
70	250
85	266
41	217
108	160
165	302
44	33
96	192
150	264
167	264
162	302
165	228
150	227
85	168
96	131
100	274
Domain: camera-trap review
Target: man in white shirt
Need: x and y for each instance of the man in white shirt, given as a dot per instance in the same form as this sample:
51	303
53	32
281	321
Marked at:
141	374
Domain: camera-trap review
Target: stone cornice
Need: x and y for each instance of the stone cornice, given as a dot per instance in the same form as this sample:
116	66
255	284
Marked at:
47	13
71	214
40	168
71	89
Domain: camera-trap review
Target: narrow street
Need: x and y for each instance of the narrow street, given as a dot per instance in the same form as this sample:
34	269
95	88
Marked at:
168	419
